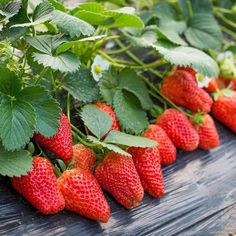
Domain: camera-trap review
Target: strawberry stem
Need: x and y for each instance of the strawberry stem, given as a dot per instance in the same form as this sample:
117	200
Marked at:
42	153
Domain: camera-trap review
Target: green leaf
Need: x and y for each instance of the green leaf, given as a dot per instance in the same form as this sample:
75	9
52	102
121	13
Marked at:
42	10
110	147
133	83
92	18
97	121
165	11
203	31
41	20
81	86
17	123
70	44
91	6
203	6
72	25
46	108
12	34
188	56
117	137
171	33
128	110
64	62
46	43
108	85
10	9
16	163
124	17
57	5
9	83
91	12
141	37
126	79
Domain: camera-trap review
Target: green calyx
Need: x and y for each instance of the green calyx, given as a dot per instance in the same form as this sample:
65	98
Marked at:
226	92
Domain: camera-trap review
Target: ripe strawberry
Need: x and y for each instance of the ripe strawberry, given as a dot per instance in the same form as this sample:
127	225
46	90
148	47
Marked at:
83	194
188	69
84	157
230	83
104	107
61	143
224	109
208	136
40	188
147	164
212	86
165	146
182	89
118	176
179	129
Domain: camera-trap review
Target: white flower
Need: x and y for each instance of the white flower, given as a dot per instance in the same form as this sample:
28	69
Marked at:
99	65
202	80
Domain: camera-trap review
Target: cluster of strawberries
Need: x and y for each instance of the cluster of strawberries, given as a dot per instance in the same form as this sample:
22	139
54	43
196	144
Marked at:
182	89
78	189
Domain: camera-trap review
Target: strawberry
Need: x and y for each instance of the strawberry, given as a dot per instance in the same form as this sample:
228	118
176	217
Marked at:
84	157
165	146
188	69
83	194
147	164
182	89
179	129
104	107
212	86
61	143
208	136
230	83
40	188
118	176
224	109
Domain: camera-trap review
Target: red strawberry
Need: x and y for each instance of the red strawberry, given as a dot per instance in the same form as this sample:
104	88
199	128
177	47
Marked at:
83	194
182	89
104	107
84	157
147	164
224	109
40	188
188	69
118	176
179	129
61	143
208	136
212	86
230	83
165	146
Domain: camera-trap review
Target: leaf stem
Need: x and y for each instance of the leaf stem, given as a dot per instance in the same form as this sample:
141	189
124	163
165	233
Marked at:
141	67
118	51
135	58
81	140
224	10
190	9
226	20
40	149
44	71
78	131
229	32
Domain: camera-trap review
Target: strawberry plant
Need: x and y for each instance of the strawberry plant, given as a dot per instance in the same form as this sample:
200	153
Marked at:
85	83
